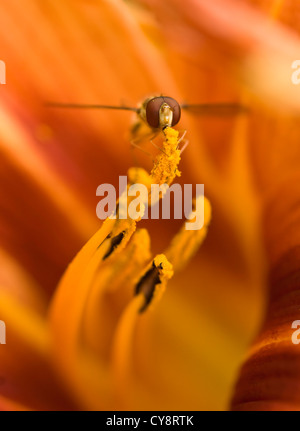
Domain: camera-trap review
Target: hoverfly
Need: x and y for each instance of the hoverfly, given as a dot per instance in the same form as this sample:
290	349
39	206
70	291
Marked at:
158	112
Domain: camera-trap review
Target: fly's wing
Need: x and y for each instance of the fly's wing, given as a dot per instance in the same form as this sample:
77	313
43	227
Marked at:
216	109
83	106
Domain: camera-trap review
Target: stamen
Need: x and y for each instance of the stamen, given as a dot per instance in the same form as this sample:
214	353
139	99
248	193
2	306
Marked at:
126	265
152	284
114	242
115	277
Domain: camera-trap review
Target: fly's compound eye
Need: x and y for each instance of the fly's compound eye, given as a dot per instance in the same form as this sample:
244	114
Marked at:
175	107
162	111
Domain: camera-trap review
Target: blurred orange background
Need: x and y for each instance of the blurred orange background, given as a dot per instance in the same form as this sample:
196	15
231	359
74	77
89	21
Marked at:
188	352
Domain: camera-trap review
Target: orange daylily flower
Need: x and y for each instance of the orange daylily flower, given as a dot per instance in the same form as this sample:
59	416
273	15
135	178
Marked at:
75	337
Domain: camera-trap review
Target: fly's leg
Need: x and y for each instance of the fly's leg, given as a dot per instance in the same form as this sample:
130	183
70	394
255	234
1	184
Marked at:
184	141
138	136
135	145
